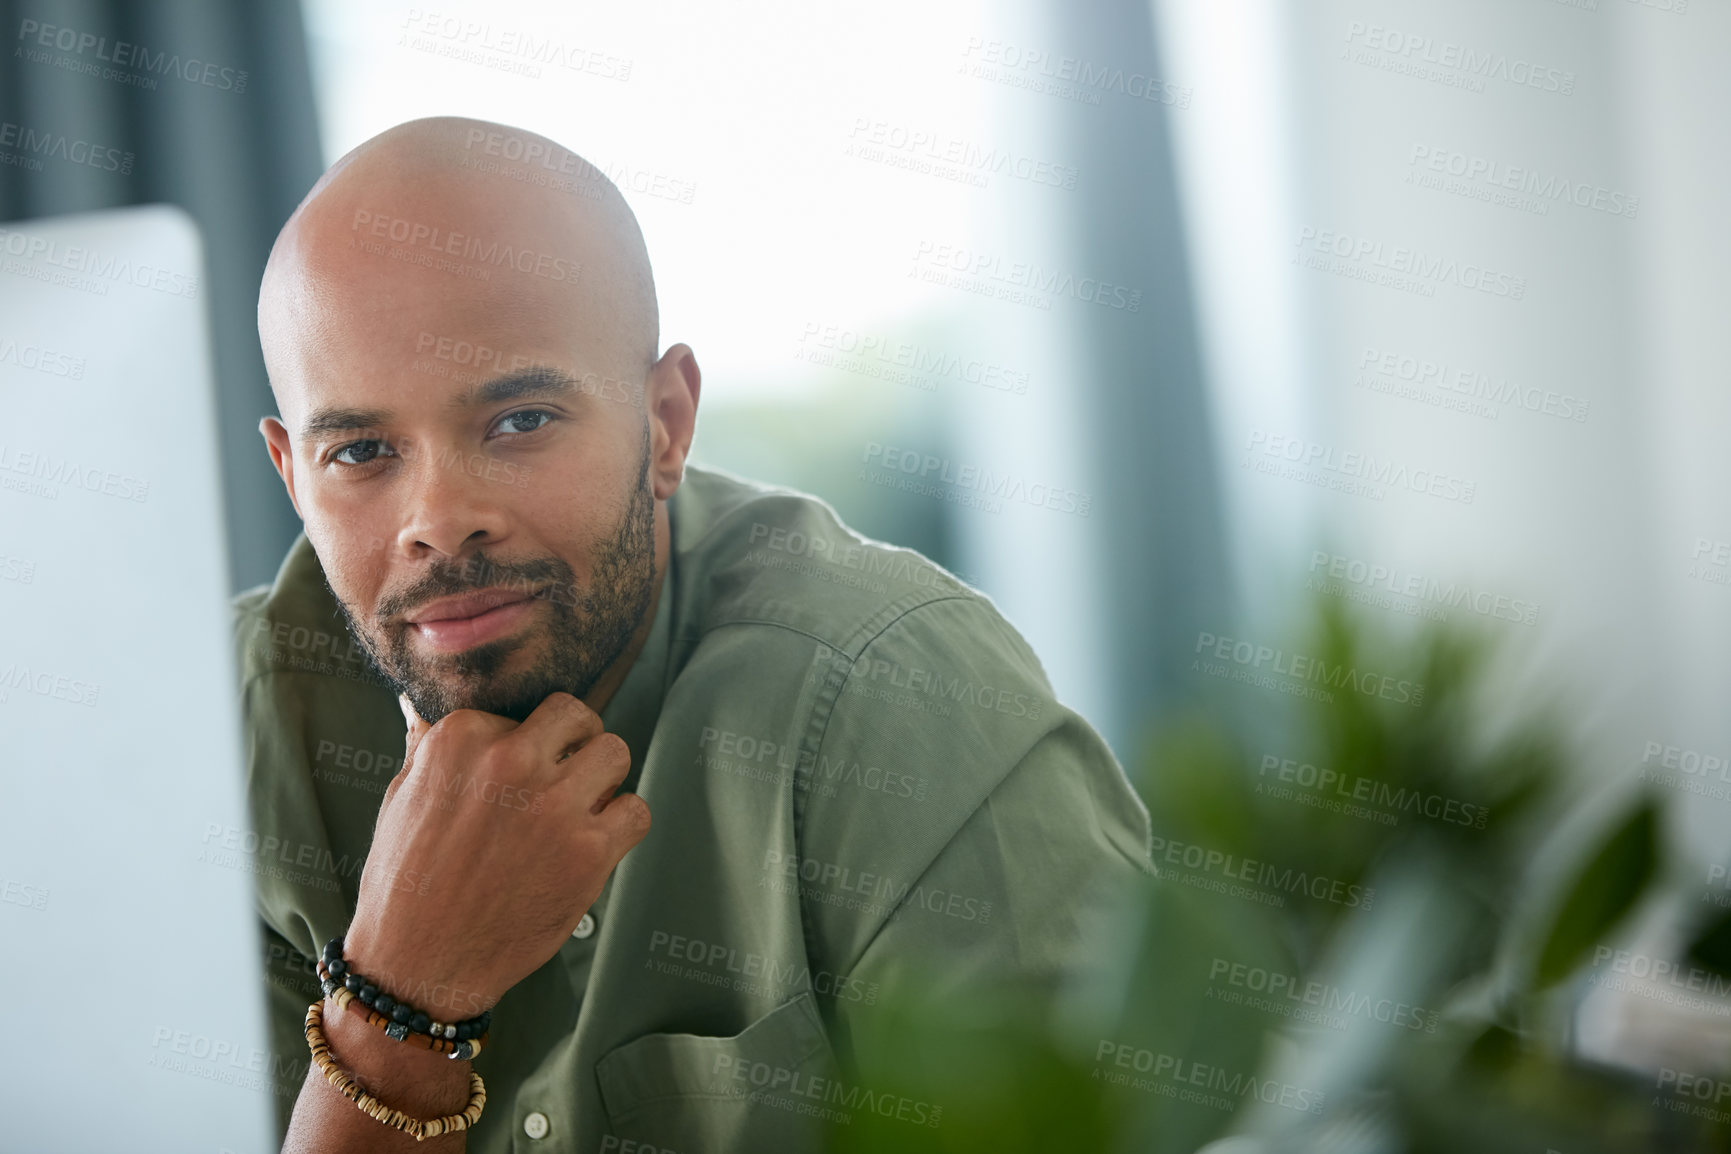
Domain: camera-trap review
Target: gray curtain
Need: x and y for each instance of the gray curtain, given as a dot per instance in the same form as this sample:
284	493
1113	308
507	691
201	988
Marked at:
1159	506
162	81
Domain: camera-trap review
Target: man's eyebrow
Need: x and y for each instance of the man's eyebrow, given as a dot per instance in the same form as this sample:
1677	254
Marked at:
335	420
535	381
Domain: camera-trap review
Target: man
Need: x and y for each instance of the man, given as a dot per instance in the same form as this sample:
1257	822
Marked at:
855	767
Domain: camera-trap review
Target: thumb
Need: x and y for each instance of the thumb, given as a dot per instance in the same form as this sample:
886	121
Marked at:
417	729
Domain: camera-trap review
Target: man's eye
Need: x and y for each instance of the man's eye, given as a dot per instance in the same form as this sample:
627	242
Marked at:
361	452
526	421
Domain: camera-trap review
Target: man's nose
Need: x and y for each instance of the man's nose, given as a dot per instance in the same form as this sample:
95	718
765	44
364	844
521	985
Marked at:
452	505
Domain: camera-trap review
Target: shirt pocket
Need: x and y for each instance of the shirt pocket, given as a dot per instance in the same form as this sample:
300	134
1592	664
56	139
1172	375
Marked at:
760	1089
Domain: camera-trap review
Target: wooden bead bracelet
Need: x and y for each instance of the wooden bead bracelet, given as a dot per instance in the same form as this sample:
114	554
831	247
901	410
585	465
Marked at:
348	1087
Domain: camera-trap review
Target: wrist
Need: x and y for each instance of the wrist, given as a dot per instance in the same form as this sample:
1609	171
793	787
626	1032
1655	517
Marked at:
407	975
417	1081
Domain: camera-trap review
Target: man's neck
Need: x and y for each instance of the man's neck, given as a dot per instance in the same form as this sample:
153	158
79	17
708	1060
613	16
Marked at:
614	675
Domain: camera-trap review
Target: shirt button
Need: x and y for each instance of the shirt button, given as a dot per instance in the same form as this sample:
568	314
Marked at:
585	928
536	1125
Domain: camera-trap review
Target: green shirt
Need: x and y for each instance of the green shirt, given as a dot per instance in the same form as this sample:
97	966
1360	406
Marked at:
856	767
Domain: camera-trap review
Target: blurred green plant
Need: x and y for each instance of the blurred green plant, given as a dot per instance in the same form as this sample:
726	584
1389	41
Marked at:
1349	944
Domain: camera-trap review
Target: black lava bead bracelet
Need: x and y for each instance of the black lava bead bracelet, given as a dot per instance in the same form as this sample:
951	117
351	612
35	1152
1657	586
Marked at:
402	1015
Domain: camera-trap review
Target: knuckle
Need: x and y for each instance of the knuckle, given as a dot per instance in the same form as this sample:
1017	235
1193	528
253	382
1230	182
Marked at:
568	706
500	761
460	723
633	814
611	748
436	748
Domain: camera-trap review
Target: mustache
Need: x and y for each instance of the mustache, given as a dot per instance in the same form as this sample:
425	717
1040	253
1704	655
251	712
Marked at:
547	578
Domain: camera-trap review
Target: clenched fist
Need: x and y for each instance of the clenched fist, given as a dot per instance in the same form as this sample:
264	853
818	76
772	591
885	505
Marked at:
492	843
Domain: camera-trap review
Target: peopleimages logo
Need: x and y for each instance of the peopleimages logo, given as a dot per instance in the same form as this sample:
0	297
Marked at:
1202	861
765	969
416	234
1662	970
1468	384
1332	784
19	569
872	560
16	676
48	472
59	146
871	893
124	54
1349	470
797	1090
1709	561
505	48
1329	571
1409	269
1683	1086
1197	1074
91	262
1494	175
1693	762
41	359
729	749
872	139
1326	998
1397	51
1307	668
1003	486
864	353
1069	77
1021	282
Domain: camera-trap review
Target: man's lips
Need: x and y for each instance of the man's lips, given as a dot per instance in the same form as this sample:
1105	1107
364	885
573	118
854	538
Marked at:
466	605
452	624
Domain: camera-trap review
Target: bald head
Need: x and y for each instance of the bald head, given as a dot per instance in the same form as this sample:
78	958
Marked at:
452	229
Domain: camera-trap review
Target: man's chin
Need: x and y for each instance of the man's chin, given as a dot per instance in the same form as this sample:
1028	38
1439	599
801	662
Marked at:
502	677
513	700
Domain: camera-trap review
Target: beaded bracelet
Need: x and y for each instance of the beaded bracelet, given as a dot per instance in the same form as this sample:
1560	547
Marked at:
373	1108
403	1018
346	1000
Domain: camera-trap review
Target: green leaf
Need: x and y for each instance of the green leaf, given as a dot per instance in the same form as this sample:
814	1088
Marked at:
1606	890
1712	945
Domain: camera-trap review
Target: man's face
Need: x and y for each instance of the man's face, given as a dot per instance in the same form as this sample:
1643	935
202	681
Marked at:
437	639
474	479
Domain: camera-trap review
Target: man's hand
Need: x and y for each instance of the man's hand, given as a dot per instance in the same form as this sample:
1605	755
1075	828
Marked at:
492	843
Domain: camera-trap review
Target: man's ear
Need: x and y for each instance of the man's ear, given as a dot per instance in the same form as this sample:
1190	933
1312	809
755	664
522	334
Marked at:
276	443
671	395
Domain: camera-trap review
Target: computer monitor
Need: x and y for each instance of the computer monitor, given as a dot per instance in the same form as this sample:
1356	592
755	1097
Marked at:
128	941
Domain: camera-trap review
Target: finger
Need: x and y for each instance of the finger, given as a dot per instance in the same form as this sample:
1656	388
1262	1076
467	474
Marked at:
417	729
596	771
391	789
559	725
626	819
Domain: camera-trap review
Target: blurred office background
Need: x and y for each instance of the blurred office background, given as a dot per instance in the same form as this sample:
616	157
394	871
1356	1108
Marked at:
1185	271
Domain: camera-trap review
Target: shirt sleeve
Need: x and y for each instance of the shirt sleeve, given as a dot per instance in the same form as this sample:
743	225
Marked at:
956	813
1014	899
290	986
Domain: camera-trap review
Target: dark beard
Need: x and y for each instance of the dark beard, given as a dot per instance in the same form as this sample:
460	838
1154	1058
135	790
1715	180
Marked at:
588	627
